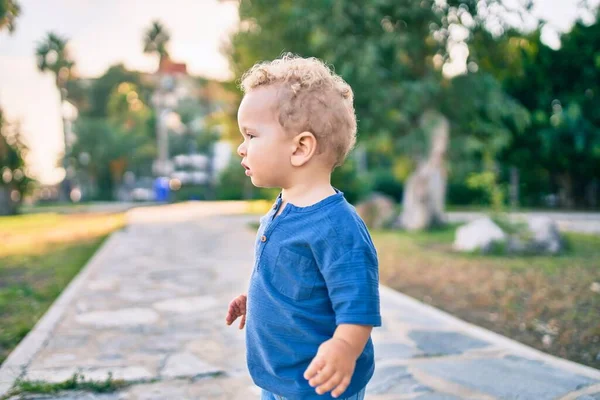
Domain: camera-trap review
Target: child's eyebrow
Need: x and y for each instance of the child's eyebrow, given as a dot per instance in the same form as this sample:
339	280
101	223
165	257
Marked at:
245	129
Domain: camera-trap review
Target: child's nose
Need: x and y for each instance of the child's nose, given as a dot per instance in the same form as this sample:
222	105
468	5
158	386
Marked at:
241	150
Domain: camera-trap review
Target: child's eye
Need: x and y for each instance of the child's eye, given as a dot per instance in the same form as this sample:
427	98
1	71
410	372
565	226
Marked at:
250	136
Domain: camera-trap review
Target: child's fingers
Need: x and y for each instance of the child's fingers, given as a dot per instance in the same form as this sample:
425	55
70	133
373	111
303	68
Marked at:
230	318
314	367
243	321
323	376
341	388
330	383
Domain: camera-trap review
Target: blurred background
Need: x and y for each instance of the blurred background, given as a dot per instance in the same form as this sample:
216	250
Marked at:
468	112
112	101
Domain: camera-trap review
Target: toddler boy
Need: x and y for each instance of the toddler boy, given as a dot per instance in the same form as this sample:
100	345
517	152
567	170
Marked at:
313	297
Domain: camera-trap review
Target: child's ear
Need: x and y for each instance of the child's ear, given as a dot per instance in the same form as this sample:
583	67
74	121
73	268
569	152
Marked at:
305	146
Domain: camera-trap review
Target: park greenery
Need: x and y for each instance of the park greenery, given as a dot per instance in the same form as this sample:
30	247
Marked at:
519	107
514	107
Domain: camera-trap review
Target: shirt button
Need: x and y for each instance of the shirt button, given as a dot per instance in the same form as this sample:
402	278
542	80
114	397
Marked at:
263	238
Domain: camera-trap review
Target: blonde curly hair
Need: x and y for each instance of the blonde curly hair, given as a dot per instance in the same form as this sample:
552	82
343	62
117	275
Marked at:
311	97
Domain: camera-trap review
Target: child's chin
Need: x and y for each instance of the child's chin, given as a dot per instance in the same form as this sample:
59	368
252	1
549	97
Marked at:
261	183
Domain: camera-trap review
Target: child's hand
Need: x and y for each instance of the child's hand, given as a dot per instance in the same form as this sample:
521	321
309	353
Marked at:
237	308
332	367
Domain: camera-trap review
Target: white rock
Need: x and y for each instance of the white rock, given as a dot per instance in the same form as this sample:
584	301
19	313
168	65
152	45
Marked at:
547	340
478	234
545	235
595	287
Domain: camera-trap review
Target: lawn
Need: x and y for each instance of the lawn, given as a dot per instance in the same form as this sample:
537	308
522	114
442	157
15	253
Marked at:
550	303
39	255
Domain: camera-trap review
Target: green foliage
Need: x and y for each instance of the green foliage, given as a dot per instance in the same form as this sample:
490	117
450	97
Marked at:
392	54
111	149
9	11
156	40
560	151
13	151
347	179
52	55
94	96
115	128
384	181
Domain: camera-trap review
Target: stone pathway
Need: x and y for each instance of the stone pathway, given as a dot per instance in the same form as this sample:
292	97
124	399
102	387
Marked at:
149	308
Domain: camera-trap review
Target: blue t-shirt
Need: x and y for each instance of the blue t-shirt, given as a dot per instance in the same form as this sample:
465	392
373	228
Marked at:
315	268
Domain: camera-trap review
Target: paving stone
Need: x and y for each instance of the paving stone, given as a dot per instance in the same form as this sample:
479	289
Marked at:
437	396
445	343
394	380
187	305
124	317
593	396
186	365
129	374
51	375
394	350
103	284
64	342
508	378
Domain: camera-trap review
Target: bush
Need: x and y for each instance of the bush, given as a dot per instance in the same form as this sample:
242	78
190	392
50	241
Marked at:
346	179
384	181
459	194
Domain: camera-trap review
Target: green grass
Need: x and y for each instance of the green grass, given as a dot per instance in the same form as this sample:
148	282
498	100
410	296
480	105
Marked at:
77	382
509	294
39	255
27	222
30	283
581	250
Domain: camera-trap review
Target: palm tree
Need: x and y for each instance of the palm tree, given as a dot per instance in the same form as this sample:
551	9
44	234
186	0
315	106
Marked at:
9	11
156	40
52	55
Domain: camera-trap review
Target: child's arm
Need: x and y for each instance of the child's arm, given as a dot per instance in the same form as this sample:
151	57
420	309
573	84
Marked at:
334	363
355	335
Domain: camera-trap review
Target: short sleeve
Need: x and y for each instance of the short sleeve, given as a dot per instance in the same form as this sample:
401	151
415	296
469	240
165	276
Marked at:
353	284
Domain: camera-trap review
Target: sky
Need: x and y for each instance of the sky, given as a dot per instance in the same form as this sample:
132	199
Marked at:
105	32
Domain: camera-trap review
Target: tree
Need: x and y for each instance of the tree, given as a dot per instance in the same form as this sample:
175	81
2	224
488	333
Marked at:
52	55
156	40
560	151
9	11
392	53
117	142
14	180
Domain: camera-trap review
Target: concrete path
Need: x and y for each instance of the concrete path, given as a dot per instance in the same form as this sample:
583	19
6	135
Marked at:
149	308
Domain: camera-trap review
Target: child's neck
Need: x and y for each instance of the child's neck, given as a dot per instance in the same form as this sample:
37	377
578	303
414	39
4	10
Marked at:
305	194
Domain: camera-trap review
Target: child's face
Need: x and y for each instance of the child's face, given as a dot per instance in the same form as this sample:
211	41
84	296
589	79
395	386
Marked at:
266	149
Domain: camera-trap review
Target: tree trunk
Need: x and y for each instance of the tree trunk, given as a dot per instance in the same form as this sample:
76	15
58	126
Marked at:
7	206
425	194
565	191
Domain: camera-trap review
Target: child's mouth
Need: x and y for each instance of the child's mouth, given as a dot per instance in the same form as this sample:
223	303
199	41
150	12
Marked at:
247	169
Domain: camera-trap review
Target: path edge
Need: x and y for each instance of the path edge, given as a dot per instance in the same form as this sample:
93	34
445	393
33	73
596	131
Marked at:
491	337
17	361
